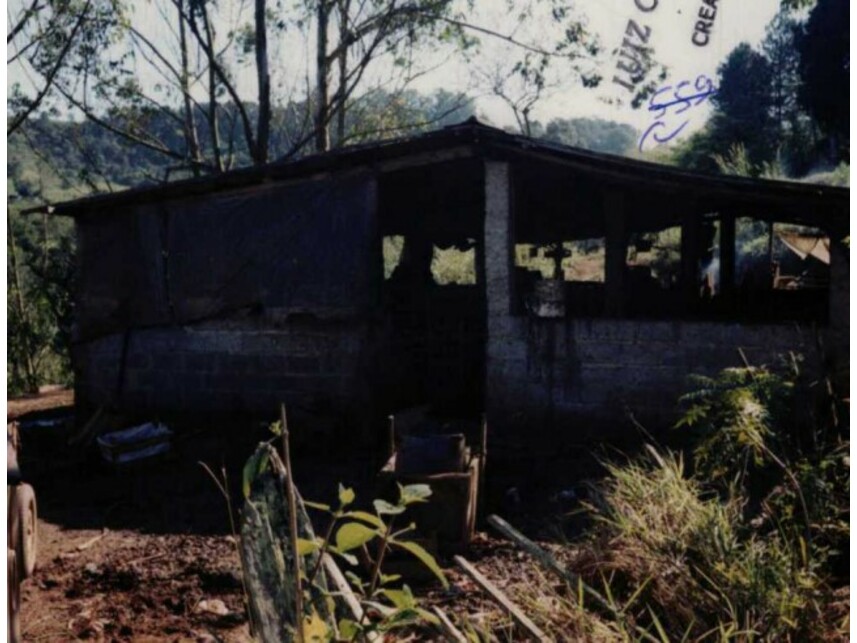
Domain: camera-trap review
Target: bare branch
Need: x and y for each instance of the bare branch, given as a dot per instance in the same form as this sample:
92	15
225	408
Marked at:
19	119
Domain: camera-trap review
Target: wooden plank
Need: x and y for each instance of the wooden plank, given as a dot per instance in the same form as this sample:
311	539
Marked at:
546	559
494	592
446	627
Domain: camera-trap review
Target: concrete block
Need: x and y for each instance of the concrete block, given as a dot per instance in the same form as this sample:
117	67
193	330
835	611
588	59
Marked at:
201	362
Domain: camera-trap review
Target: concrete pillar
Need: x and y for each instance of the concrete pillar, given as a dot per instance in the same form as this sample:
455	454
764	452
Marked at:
498	248
498	241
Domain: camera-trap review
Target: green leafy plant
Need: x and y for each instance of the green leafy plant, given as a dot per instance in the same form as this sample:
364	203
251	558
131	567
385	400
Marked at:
350	530
386	603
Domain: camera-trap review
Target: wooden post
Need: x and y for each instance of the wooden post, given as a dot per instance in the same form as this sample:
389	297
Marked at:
690	235
391	435
293	528
483	456
727	257
616	252
494	592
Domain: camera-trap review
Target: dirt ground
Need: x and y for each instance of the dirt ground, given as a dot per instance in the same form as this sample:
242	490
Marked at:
145	554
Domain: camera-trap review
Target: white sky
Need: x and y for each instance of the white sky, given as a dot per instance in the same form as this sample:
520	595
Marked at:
671	22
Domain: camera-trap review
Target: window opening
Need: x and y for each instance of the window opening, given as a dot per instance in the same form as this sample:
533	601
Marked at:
454	265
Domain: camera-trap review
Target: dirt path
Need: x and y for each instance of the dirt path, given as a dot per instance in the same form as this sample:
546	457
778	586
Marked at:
123	585
17	407
133	555
144	554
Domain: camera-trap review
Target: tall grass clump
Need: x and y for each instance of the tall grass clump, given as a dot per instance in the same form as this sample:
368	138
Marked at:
740	539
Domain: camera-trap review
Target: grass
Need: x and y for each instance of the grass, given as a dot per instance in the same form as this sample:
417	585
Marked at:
682	564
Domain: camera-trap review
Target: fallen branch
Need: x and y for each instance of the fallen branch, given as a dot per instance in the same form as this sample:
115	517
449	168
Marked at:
494	592
89	543
547	560
447	628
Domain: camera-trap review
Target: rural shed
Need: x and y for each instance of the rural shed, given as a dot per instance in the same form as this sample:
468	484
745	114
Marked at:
467	269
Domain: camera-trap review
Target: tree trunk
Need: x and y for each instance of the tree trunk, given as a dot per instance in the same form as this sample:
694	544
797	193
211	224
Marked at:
30	375
322	128
189	119
344	8
264	122
212	92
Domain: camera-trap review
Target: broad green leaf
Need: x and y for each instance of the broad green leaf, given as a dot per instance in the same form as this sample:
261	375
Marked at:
400	598
317	505
391	578
351	559
349	629
425	558
306	547
346	496
253	468
427	616
355	580
352	535
365	516
315	630
384	507
412	493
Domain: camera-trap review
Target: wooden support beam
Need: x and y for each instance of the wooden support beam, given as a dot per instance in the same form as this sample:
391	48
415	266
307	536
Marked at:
494	592
483	456
691	232
727	255
616	253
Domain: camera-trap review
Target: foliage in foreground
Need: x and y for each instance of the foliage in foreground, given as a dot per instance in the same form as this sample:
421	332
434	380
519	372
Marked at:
745	547
286	577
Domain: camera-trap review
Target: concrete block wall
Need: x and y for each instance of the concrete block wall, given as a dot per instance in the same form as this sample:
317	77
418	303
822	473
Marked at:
577	379
574	380
313	367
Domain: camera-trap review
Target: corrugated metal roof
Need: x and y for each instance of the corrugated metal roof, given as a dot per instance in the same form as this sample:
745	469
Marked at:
485	140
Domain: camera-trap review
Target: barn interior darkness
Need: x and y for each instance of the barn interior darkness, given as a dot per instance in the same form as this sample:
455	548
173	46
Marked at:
632	252
432	293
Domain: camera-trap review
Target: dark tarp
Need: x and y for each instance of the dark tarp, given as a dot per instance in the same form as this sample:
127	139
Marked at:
303	247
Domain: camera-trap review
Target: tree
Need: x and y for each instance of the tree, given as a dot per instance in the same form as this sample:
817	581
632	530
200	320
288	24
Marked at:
795	130
744	103
743	108
823	45
41	38
592	134
216	48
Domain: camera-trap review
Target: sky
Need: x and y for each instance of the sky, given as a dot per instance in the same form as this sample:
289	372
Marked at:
667	25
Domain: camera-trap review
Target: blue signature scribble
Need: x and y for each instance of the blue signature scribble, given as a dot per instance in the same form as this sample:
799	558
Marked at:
684	95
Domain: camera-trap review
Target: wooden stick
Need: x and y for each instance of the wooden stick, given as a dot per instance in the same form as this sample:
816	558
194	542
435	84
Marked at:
293	529
447	628
391	436
483	455
546	559
335	576
89	543
494	592
84	433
